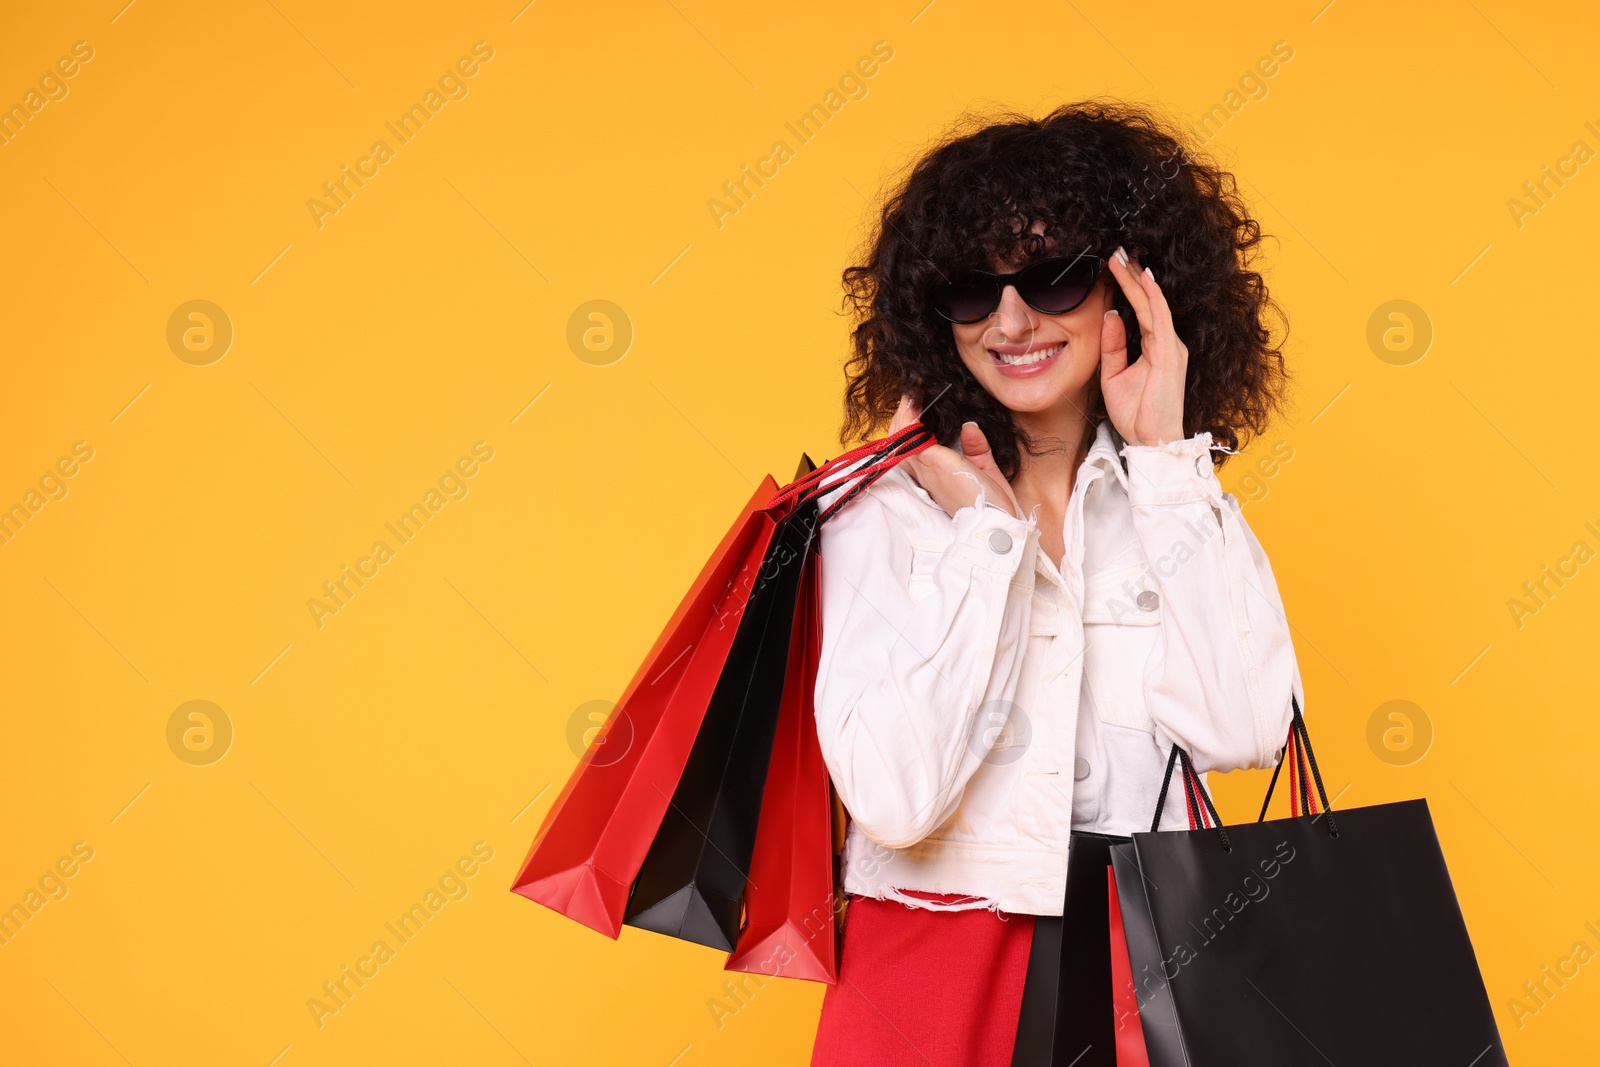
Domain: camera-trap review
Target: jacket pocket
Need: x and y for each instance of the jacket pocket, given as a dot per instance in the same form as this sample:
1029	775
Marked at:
1122	642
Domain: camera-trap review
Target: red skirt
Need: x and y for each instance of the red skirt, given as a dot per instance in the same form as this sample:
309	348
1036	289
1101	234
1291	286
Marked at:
924	988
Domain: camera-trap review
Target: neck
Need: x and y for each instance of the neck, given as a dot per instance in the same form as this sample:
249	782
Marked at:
1062	435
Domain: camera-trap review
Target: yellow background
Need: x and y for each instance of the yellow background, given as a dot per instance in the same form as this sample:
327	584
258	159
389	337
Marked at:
434	710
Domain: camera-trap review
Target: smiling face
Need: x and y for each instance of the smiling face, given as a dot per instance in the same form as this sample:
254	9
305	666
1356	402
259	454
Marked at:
1031	361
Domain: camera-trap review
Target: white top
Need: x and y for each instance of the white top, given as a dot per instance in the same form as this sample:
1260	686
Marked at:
974	703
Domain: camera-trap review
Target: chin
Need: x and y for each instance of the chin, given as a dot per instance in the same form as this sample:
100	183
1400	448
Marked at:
1038	392
1032	399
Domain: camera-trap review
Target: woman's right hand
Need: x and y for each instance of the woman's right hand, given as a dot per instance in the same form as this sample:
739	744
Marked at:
951	478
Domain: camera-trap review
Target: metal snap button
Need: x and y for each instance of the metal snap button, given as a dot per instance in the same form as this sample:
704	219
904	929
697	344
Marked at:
1148	600
1080	769
1000	541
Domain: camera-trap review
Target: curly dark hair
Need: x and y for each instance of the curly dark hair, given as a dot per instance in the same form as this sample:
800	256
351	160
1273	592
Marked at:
1097	173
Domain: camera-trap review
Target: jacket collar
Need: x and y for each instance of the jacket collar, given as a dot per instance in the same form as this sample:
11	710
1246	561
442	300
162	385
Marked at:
1104	452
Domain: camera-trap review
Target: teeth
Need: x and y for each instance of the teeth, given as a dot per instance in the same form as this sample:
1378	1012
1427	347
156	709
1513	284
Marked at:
1031	357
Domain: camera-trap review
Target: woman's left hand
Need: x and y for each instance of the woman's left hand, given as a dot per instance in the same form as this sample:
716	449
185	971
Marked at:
1145	400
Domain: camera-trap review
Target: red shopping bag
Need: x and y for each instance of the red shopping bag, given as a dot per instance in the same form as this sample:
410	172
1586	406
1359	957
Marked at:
594	838
789	927
1124	996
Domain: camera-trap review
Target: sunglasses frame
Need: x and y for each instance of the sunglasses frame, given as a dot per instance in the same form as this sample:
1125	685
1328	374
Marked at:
1000	281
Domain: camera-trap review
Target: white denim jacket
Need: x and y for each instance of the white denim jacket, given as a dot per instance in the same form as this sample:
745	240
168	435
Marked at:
975	704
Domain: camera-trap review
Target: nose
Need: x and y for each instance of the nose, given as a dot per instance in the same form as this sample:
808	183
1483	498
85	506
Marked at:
1011	322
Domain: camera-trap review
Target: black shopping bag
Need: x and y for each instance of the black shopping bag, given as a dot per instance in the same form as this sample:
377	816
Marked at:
1067	1014
693	879
1302	941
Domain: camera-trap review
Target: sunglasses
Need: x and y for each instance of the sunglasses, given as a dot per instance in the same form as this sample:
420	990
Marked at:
1053	286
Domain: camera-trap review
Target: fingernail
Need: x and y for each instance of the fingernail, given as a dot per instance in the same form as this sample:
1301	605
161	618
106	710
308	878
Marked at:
1111	314
1122	257
1147	274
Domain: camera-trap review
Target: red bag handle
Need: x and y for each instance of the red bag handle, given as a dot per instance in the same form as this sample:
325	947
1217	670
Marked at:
889	451
1202	813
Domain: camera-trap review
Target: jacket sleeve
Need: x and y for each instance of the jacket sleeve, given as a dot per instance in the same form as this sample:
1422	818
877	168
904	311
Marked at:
1228	662
909	693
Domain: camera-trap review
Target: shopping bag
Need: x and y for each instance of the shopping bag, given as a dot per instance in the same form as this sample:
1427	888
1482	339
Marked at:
693	879
1128	1036
1067	1014
588	853
692	882
1301	941
789	926
588	849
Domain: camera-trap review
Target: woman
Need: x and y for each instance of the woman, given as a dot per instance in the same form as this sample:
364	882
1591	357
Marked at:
1016	628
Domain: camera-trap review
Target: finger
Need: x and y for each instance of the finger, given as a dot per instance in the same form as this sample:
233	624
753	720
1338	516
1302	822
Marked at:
905	414
975	447
1161	310
1128	276
1113	346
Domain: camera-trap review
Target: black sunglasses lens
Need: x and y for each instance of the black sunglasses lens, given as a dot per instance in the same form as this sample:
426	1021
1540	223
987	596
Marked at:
967	299
1056	286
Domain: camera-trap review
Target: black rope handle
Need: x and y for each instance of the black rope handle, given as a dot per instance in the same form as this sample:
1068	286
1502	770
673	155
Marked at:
1200	791
1194	794
807	480
896	451
1289	753
1166	780
1298	732
837	472
1274	783
807	497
